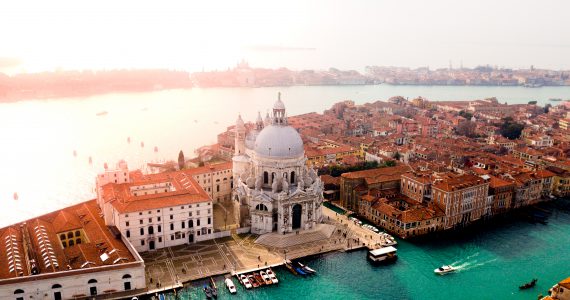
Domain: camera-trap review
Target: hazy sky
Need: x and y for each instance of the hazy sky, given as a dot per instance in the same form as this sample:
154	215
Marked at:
191	35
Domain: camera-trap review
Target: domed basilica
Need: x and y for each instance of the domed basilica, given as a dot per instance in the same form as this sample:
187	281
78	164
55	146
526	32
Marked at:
275	189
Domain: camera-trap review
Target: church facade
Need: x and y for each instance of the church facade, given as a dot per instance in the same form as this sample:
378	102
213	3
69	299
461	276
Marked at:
275	189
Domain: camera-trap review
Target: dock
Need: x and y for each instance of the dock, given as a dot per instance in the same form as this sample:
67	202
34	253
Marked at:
173	268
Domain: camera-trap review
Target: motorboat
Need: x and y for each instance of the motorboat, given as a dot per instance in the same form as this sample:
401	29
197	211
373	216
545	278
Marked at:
230	285
272	276
213	288
528	285
382	255
207	291
444	270
258	279
289	266
254	282
245	281
306	268
266	278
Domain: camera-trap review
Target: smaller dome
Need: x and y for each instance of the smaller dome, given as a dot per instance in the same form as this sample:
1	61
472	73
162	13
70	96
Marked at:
239	121
279	104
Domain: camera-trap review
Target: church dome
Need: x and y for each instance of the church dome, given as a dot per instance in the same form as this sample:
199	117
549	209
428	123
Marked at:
279	141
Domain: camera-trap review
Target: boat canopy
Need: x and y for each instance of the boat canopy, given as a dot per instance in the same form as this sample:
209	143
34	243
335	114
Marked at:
382	251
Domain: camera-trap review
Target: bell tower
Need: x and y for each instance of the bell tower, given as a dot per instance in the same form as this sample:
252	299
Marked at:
239	137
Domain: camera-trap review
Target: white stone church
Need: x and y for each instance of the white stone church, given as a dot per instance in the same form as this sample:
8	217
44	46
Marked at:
276	191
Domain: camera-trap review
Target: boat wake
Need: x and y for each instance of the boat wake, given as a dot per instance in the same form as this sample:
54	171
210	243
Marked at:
472	265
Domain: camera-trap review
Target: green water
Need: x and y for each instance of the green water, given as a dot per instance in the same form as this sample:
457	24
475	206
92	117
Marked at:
493	261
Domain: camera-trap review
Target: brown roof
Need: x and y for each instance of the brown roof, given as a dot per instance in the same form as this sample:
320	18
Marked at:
44	232
459	182
378	175
186	191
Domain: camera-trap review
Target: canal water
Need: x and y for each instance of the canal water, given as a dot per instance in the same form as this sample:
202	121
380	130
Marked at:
493	261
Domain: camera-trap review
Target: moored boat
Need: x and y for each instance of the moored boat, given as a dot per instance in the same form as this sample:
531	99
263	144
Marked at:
258	279
290	267
382	255
245	281
207	291
444	270
230	285
266	278
307	269
251	279
213	288
272	276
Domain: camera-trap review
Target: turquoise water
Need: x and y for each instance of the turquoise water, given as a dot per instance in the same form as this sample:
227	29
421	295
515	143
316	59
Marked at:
493	261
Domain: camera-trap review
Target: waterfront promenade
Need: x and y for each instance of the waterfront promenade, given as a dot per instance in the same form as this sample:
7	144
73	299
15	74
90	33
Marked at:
170	268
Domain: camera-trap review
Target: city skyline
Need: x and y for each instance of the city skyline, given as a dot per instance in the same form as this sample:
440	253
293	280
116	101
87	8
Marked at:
315	35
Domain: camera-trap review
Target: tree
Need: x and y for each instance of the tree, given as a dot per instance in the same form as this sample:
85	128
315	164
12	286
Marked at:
466	128
510	129
466	115
181	160
390	163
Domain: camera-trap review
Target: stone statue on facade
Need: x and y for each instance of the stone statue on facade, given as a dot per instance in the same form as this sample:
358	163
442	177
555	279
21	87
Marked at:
285	185
258	183
274	185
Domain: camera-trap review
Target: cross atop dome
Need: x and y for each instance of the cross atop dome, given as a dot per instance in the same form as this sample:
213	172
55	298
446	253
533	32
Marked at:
279	116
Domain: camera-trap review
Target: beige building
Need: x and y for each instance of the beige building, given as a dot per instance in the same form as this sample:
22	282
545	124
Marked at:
462	197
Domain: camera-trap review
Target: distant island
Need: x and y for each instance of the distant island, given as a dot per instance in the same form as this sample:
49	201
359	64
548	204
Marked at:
62	84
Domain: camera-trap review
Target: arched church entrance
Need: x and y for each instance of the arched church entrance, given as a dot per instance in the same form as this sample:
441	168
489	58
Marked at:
297	212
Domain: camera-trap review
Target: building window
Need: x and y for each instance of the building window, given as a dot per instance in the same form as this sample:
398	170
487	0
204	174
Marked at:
127	224
198	222
190	214
150	220
171	226
171	209
159	228
182	207
140	213
160	239
190	223
265	177
172	237
171	217
183	224
150	230
217	188
142	242
142	231
140	221
209	221
128	233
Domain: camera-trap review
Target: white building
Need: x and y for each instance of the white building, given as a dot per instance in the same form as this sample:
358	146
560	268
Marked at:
154	211
68	254
275	189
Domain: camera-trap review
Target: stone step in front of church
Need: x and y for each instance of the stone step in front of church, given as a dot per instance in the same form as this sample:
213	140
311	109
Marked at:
278	240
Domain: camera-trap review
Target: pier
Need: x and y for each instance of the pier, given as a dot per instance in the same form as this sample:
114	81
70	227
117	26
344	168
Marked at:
171	268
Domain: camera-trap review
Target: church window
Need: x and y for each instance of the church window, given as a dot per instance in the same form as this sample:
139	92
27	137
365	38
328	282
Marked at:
293	177
265	178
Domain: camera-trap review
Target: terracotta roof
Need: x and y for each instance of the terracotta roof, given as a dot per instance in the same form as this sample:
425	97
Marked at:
44	233
185	191
378	175
459	182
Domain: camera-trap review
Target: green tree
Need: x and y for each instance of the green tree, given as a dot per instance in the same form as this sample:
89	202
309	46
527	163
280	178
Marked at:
390	163
510	129
181	160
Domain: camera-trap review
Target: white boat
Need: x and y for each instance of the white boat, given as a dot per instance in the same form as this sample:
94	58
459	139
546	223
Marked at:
230	285
265	278
272	276
444	270
383	255
245	281
307	268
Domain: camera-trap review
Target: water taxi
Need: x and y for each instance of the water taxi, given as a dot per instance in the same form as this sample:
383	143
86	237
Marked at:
271	275
265	278
444	270
230	285
245	281
383	255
